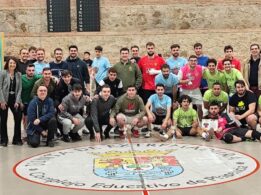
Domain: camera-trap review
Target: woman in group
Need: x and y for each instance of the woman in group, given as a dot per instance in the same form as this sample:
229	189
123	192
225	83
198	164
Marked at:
10	97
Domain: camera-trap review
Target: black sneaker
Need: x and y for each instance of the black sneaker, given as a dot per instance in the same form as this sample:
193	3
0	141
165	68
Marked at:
85	132
92	137
156	129
50	143
66	138
144	130
75	136
18	143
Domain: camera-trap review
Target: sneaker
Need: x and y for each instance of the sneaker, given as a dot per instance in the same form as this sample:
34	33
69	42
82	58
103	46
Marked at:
106	134
135	132
50	143
144	130
156	129
161	136
66	138
148	134
85	132
75	136
18	142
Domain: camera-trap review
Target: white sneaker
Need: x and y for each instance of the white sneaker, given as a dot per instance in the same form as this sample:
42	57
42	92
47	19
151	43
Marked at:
164	137
148	134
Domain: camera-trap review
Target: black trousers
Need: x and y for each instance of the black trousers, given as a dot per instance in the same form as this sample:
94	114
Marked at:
17	113
51	126
89	124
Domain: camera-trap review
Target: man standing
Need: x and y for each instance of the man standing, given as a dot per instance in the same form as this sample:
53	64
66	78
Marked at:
46	81
252	70
28	81
228	50
202	61
40	63
100	65
78	67
58	64
41	119
191	75
130	112
135	54
100	114
243	105
150	66
176	62
169	80
23	62
129	73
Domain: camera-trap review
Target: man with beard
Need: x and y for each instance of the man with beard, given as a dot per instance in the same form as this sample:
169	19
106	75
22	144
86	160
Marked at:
191	75
28	81
23	62
176	62
169	80
229	132
58	64
150	66
47	81
158	110
78	67
243	105
216	94
40	63
130	112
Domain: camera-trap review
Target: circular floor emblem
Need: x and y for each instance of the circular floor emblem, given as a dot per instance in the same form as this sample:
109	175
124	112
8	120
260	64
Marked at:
136	167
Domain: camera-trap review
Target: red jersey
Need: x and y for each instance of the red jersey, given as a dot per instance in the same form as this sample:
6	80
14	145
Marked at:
145	64
235	64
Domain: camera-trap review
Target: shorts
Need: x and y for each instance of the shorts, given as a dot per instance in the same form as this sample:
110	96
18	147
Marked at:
239	132
159	119
195	95
185	130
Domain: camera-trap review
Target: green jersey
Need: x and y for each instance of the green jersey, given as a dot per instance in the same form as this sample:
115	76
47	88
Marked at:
231	78
259	100
212	78
210	97
184	118
27	86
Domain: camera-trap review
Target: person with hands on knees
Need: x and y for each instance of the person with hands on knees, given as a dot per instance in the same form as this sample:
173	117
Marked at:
70	116
10	97
41	119
100	114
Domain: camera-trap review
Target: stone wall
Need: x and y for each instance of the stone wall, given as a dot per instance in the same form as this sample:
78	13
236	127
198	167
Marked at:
214	23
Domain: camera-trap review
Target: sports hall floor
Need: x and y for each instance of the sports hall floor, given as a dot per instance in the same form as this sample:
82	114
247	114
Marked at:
11	184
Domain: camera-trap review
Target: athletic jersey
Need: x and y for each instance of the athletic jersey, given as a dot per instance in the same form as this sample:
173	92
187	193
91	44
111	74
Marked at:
184	118
259	101
231	78
176	64
210	97
102	65
159	106
146	63
194	76
169	82
212	78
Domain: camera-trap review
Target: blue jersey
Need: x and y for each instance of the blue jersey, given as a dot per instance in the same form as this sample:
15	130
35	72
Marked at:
169	82
177	63
203	61
159	106
102	65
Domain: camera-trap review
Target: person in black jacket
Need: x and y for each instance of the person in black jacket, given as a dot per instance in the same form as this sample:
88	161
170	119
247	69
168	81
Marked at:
78	67
114	83
100	114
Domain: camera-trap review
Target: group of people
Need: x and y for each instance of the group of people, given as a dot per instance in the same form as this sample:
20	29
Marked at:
162	98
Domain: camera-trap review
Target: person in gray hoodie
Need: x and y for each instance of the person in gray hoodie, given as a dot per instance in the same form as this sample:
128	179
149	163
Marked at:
70	117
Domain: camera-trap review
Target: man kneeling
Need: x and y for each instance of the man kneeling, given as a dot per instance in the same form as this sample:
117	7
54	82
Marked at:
41	119
228	130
